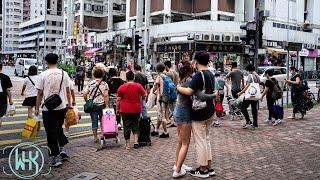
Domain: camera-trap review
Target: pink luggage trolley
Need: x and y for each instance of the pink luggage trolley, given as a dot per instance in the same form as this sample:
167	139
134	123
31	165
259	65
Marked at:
109	127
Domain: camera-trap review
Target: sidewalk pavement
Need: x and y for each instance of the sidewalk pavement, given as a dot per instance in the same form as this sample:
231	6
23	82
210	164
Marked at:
288	151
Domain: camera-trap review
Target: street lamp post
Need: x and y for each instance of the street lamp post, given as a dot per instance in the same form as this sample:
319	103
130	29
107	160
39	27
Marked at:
288	53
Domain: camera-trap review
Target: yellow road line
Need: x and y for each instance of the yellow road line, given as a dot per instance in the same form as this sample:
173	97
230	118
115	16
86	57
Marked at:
43	141
11	141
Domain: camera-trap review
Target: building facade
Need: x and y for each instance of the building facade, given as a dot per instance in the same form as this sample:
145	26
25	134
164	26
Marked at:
215	24
11	19
38	35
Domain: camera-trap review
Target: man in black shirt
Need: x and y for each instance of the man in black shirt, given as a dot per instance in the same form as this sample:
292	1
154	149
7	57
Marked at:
202	118
5	93
143	80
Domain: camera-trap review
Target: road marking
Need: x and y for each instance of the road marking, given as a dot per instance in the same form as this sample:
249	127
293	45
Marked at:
86	116
11	141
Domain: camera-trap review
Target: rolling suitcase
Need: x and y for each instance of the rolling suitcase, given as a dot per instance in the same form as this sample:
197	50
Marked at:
145	130
109	125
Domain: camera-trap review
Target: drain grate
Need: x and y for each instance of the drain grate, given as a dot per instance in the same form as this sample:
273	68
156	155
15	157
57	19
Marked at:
84	176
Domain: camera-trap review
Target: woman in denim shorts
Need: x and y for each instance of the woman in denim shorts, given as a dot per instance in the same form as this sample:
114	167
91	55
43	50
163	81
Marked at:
182	118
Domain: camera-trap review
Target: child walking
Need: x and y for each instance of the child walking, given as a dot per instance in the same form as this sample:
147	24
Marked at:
29	90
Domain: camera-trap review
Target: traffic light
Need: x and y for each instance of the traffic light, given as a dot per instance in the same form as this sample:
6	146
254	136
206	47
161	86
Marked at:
138	42
128	43
250	38
250	29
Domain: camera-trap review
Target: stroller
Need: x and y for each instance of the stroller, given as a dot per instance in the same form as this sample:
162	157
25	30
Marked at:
234	108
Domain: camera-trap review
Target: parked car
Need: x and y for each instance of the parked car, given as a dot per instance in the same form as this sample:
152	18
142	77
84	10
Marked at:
280	74
22	66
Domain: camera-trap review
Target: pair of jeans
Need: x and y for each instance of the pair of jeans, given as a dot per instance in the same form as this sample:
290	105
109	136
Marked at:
201	136
53	121
254	109
96	115
144	112
272	113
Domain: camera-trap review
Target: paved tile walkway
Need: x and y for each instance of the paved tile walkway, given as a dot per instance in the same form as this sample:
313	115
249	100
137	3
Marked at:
288	151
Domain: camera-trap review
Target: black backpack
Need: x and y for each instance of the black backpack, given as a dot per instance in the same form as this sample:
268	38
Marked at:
277	92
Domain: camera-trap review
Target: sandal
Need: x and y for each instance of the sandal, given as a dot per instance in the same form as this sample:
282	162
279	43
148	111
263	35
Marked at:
291	117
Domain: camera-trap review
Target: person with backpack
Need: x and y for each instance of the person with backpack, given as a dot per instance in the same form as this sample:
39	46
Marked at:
253	77
170	72
298	96
273	92
53	87
80	75
97	91
30	89
166	91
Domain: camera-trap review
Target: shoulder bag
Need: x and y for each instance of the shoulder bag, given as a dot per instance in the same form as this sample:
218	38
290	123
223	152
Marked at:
54	100
88	106
197	104
253	92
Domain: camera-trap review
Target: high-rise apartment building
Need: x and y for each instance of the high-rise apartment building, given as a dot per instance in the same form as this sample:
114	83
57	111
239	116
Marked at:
26	10
11	18
43	28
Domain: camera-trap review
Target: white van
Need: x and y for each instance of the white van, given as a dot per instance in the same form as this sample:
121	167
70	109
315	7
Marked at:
22	66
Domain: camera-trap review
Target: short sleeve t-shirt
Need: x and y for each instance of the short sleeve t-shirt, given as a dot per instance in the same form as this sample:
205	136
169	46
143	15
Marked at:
114	84
236	77
71	84
141	79
31	90
92	88
254	77
130	94
5	83
197	84
49	81
270	84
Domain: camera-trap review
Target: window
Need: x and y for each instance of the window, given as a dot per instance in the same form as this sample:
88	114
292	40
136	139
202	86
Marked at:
274	24
283	26
54	23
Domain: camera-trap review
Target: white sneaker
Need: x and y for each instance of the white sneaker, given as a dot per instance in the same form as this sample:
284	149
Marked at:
185	167
268	121
179	174
277	122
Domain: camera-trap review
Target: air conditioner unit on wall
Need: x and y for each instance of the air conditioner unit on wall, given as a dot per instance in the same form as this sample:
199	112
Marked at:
227	38
206	37
236	38
198	37
190	36
216	37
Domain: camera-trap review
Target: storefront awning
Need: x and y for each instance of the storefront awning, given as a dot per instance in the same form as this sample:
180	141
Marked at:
90	52
277	52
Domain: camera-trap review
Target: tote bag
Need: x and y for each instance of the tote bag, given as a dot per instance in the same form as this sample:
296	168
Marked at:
253	92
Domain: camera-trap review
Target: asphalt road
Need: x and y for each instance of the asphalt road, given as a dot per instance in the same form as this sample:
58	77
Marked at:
12	126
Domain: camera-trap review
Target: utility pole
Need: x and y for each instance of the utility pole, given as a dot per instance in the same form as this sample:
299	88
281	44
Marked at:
256	50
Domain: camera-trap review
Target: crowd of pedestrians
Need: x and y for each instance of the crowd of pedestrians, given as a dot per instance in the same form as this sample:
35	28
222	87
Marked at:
185	99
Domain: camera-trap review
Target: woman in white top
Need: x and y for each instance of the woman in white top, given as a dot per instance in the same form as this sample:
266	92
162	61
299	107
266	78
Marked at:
29	90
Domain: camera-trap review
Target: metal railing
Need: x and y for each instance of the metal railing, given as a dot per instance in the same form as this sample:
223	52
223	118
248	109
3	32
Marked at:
310	75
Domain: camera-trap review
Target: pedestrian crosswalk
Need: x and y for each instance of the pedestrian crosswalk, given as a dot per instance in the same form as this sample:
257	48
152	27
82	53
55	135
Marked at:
12	126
